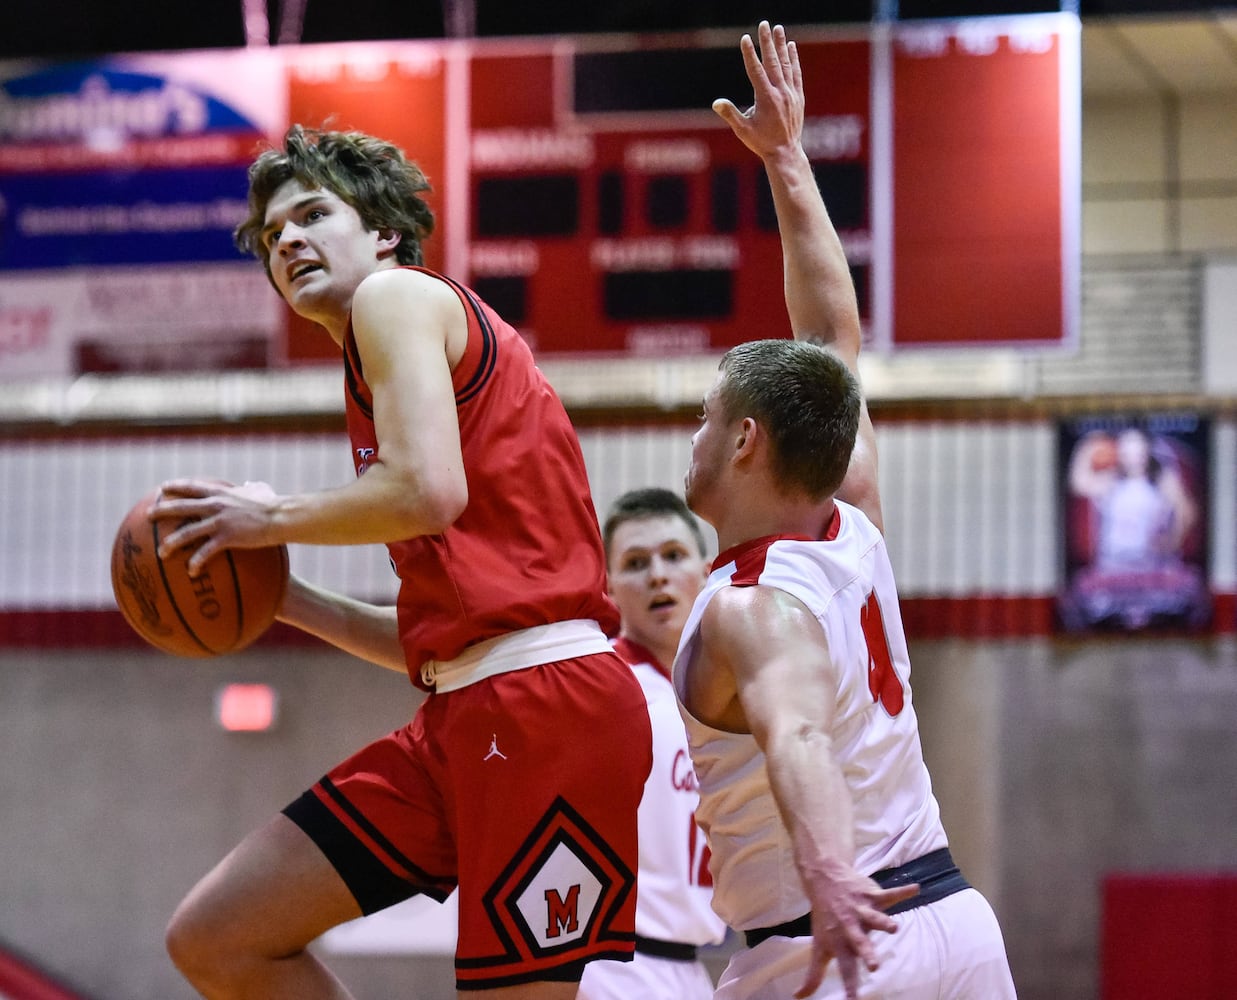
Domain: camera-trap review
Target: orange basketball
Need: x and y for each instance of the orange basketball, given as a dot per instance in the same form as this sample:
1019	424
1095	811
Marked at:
222	610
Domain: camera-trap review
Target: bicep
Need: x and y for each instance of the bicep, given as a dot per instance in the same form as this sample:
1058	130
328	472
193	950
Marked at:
778	655
403	331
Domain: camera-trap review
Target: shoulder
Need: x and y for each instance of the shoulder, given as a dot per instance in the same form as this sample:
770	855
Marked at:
402	283
730	604
740	618
394	301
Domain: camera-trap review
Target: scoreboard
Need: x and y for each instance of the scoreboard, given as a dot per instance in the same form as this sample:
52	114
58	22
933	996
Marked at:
611	212
618	217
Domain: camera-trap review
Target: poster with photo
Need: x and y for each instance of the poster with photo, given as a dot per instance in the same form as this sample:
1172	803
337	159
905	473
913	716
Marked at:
1134	507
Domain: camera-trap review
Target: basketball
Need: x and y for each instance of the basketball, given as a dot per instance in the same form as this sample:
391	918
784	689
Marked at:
224	609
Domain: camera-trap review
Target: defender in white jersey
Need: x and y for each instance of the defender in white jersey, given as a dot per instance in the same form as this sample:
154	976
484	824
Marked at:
655	567
792	674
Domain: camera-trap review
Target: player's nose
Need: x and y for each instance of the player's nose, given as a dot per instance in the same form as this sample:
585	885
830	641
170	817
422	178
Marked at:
290	238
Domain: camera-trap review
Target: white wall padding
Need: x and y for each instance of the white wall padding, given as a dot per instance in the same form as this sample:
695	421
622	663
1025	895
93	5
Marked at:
971	508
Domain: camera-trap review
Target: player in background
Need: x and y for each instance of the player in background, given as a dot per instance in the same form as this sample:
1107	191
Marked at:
655	554
793	672
469	470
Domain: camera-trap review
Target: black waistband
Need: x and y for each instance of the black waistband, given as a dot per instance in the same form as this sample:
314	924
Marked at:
936	874
666	949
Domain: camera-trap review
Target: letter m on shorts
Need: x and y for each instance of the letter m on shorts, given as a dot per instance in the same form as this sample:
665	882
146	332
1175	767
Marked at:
562	915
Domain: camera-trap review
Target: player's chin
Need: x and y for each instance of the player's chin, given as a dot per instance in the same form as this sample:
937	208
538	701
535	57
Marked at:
670	621
666	630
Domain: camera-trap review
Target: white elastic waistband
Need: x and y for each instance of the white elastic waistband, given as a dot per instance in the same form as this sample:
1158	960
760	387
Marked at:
529	647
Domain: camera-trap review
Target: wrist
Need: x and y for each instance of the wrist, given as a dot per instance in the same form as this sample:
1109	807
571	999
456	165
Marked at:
282	517
787	159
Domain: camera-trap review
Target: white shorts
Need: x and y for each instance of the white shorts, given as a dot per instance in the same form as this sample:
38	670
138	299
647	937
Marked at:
647	977
951	948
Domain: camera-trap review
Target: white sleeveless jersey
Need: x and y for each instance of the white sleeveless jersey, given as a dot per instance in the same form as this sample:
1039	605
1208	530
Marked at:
675	886
845	579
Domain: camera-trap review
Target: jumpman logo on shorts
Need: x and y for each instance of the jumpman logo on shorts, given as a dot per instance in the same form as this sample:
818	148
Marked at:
494	751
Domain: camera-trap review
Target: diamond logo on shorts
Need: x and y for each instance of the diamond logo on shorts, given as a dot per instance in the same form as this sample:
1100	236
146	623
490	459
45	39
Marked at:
553	902
565	888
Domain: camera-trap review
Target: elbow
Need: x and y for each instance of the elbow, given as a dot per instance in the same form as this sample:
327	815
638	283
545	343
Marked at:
447	513
421	501
440	507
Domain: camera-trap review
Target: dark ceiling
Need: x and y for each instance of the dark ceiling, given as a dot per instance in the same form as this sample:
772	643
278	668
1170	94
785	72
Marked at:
69	28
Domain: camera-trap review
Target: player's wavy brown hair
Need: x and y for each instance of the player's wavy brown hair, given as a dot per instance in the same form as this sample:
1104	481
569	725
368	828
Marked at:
807	401
372	175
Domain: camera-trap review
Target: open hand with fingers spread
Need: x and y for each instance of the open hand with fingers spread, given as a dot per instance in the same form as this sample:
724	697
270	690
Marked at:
846	908
774	122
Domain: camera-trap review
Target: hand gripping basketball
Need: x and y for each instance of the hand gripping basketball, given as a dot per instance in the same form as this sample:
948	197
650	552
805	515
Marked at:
221	610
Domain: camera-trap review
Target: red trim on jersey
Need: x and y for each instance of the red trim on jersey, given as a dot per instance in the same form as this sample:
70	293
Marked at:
634	653
833	526
749	558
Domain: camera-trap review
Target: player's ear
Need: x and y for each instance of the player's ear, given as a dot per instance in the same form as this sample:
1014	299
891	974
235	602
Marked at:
746	437
388	241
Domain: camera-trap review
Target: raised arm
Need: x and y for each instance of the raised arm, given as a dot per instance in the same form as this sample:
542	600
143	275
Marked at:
819	289
820	294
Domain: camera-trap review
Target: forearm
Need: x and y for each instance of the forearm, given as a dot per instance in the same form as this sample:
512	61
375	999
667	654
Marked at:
813	800
820	293
368	631
820	297
380	506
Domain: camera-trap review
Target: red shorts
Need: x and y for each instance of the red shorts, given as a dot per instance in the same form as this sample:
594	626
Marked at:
522	789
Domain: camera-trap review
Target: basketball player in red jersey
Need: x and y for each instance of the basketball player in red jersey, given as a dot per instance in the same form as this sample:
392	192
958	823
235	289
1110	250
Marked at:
519	777
793	672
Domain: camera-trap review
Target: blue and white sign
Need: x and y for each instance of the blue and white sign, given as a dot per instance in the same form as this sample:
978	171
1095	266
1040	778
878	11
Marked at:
121	182
101	165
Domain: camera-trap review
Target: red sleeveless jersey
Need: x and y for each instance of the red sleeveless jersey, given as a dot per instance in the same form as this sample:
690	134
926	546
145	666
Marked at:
527	549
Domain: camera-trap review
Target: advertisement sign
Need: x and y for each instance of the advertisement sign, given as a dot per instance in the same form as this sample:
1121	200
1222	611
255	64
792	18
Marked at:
102	164
144	318
121	181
